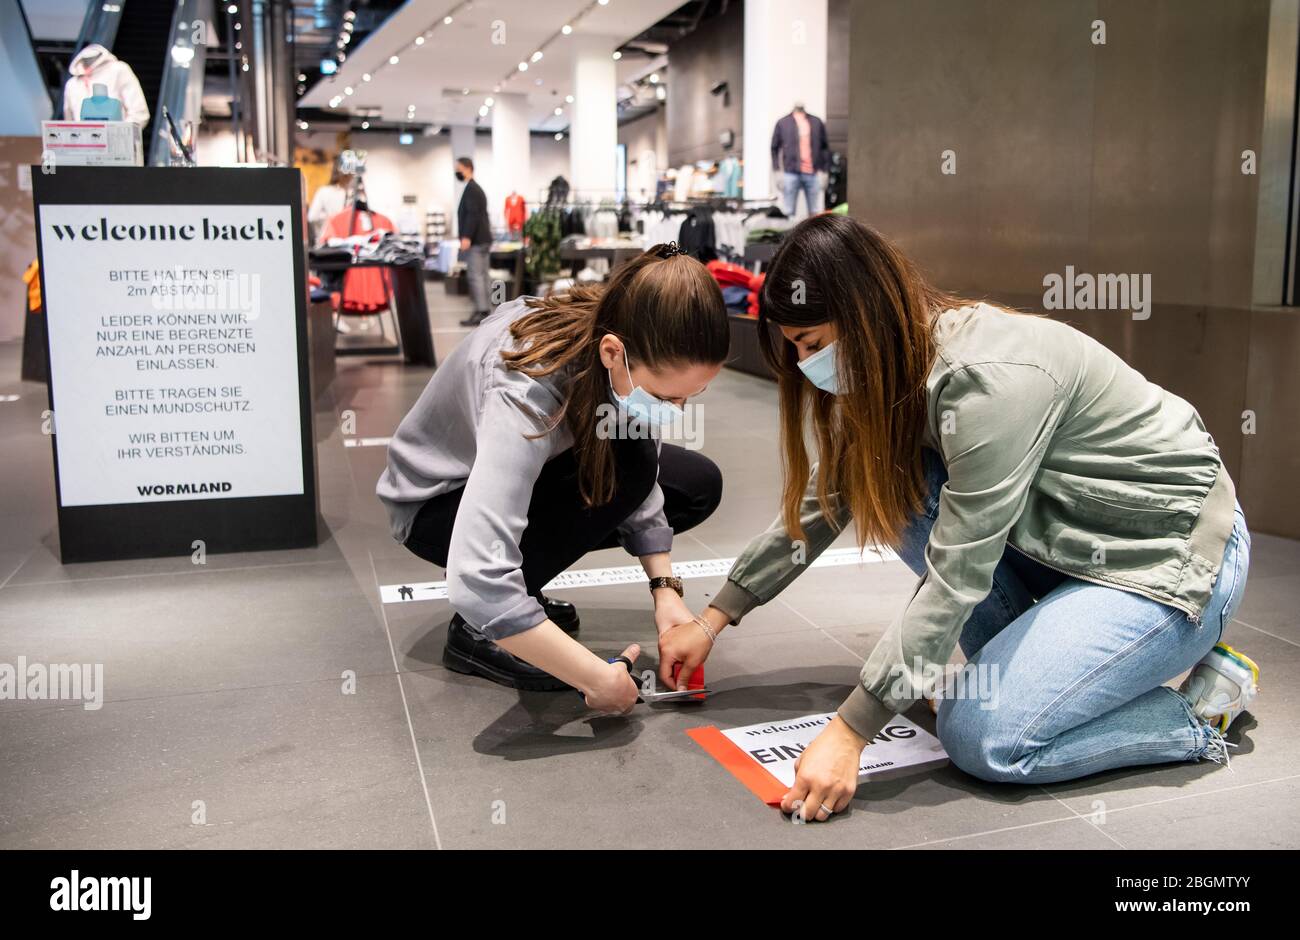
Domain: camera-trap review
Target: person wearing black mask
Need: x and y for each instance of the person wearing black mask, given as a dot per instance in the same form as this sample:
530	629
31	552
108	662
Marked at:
475	240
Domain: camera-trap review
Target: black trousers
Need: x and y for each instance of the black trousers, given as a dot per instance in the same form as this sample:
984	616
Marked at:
561	529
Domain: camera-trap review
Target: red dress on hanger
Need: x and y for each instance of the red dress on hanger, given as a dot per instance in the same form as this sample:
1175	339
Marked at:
516	212
365	290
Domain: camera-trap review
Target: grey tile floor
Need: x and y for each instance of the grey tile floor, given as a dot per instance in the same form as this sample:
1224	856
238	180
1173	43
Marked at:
225	723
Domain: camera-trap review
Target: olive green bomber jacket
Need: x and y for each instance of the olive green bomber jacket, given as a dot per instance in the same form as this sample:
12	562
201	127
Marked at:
1052	445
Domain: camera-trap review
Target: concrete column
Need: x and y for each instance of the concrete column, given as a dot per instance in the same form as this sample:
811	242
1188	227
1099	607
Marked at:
785	63
593	127
511	168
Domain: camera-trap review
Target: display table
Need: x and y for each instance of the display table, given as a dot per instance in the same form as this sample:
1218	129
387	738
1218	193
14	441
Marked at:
408	300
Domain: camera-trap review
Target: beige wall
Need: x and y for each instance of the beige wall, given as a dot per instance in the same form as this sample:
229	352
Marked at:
1115	158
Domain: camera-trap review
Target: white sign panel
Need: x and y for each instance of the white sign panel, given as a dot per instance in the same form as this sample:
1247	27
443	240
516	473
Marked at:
901	746
173	351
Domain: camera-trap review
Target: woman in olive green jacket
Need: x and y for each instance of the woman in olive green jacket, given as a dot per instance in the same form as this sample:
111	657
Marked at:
1073	526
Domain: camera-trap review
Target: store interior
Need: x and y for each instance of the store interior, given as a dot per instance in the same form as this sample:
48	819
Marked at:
992	143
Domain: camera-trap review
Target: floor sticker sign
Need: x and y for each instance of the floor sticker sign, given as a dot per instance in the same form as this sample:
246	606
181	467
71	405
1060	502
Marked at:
633	574
762	756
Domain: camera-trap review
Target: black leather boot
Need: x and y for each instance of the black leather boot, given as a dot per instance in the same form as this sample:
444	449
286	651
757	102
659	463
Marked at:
474	655
563	614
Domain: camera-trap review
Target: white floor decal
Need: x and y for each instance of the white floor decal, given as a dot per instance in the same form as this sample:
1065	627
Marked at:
630	574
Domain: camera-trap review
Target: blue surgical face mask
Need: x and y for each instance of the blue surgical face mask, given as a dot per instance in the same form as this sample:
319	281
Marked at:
819	368
641	405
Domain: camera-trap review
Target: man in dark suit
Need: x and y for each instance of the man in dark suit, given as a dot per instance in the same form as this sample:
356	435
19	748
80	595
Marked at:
475	231
800	153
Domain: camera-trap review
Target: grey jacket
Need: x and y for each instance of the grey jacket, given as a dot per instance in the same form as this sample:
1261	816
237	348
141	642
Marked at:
470	428
1054	446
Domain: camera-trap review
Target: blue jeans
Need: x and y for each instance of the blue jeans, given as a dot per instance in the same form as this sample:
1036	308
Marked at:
811	186
1080	668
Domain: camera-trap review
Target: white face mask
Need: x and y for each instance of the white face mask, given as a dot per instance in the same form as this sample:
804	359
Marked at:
819	368
640	404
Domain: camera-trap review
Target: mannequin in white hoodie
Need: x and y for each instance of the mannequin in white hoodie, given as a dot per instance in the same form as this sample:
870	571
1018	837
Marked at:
95	65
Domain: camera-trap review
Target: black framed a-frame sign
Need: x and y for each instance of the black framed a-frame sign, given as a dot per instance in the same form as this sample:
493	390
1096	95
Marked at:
178	359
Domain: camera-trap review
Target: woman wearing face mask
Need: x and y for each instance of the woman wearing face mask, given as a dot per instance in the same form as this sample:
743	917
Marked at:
1073	525
536	442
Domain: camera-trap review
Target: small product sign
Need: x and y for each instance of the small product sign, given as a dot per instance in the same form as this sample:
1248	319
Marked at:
173	351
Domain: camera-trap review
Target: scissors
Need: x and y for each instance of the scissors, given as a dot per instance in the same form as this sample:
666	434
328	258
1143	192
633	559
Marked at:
652	698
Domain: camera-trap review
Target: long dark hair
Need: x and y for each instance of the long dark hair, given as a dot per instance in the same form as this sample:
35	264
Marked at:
665	307
831	268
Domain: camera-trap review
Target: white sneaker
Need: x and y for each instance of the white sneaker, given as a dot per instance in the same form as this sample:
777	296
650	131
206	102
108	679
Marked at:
1221	686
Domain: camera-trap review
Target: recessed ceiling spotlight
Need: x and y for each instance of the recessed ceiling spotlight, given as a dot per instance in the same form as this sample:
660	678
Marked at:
302	76
393	60
366	77
348	90
559	135
654	78
464	91
559	111
537	56
232	9
482	110
568	99
661	92
617	55
419	40
446	20
365	125
523	66
566	29
489	101
603	3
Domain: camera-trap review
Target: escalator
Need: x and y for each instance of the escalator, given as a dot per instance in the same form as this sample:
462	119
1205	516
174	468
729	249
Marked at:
144	42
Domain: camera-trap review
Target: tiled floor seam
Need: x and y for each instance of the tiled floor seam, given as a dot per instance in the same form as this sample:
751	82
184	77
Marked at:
406	707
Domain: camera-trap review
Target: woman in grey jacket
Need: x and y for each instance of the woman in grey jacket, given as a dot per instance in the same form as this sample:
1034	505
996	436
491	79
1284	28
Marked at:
537	441
1073	526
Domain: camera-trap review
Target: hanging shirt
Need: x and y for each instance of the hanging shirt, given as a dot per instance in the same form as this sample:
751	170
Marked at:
516	212
805	142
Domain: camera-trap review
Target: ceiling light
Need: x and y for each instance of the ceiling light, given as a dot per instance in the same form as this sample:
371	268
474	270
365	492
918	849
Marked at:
482	110
537	56
568	99
566	29
232	9
446	20
419	40
661	92
302	76
654	78
348	90
366	77
489	101
559	135
365	125
617	55
603	3
393	60
559	111
464	91
523	66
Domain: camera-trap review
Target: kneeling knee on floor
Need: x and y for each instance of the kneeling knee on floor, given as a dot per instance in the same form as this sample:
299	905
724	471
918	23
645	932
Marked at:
979	742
